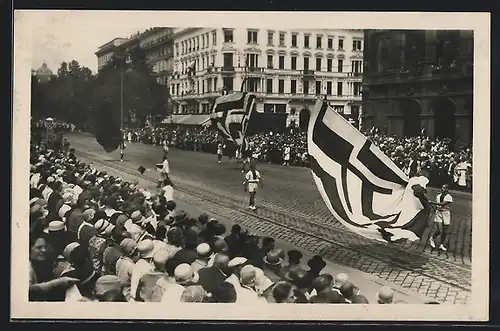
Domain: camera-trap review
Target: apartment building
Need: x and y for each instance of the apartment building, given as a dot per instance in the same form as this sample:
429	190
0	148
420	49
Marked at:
286	69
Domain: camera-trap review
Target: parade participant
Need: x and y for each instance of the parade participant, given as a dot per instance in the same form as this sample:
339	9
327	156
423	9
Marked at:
164	169
442	218
220	150
252	180
165	148
122	150
286	155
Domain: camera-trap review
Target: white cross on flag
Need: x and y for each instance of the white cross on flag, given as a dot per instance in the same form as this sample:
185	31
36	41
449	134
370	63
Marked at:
361	186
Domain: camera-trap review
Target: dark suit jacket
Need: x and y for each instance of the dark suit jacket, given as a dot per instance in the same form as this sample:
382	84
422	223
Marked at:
328	296
186	256
54	202
211	278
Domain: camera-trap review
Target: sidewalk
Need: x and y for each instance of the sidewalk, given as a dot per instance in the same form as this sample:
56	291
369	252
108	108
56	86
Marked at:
368	284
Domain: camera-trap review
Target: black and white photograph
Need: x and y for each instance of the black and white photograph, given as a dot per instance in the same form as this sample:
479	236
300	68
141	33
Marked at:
271	161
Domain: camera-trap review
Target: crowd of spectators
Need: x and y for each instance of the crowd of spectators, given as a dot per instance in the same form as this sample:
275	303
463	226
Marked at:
96	237
442	161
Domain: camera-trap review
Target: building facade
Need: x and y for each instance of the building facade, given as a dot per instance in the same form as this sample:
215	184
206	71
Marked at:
105	52
286	69
419	80
157	44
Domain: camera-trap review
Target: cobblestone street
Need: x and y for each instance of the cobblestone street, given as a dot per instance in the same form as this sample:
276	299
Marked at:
291	209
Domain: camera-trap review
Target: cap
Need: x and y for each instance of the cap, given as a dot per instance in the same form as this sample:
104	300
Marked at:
67	197
146	248
273	257
183	273
161	256
128	246
237	261
103	227
107	283
203	250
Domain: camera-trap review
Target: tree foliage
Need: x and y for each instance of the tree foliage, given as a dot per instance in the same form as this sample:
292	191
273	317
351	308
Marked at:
78	96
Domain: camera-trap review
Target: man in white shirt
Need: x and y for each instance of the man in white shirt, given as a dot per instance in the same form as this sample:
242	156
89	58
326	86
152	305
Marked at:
164	169
442	218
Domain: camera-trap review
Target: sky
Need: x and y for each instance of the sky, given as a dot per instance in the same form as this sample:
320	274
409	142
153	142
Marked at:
76	36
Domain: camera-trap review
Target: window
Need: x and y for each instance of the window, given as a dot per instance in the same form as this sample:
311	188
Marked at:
269	86
293	86
253	60
282	39
253	84
318	64
252	37
228	60
281	62
176	49
306	41
339	109
341	44
228	36
306	64
356	45
270	38
340	88
270	61
215	83
294	40
305	87
329	65
197	43
228	83
213	60
330	42
293	63
214	38
281	86
318	87
357	88
202	63
356	66
318	41
203	41
340	65
329	88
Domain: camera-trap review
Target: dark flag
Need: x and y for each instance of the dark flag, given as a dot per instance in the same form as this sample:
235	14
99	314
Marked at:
360	185
107	127
231	116
142	170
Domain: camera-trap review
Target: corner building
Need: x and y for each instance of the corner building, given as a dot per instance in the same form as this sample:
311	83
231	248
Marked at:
286	69
418	80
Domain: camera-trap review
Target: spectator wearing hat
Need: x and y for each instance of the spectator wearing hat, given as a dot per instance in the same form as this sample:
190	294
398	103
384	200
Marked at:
187	254
111	255
234	241
220	246
385	295
54	198
212	277
57	236
204	254
224	293
202	222
263	285
43	286
325	294
246	293
315	264
294	257
143	265
125	264
99	242
148	282
298	277
80	268
272	265
108	288
235	266
175	240
184	277
194	293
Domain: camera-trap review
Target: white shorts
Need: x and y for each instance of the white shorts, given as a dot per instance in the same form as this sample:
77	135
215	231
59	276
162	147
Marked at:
252	187
443	217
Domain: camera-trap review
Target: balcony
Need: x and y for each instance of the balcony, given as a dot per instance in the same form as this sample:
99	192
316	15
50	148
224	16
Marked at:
307	74
354	74
228	70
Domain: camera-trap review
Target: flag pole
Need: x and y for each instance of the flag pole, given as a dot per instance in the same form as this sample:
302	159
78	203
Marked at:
243	81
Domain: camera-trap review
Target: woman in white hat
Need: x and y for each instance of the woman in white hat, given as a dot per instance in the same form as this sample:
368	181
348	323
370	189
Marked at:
146	250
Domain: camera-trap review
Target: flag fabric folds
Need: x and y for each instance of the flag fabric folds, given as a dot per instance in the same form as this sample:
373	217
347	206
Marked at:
360	185
231	115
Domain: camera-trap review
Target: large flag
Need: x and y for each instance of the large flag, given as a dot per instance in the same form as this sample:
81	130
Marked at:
231	115
361	186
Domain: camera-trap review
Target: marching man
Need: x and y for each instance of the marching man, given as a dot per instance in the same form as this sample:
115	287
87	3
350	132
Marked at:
442	218
165	148
286	155
122	149
220	150
164	169
252	180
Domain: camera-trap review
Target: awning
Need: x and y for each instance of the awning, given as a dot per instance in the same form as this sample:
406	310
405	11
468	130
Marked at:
174	119
195	120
